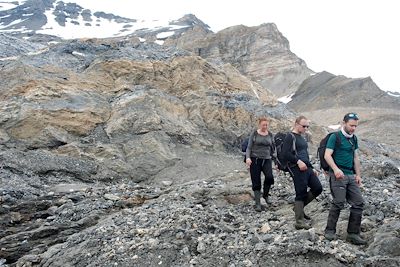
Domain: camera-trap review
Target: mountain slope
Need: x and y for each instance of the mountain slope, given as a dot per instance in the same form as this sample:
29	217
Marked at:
261	53
69	20
325	90
325	98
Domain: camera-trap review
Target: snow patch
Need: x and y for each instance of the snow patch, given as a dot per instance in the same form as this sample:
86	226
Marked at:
395	95
142	39
255	92
286	99
164	35
76	53
334	126
104	28
160	42
12	23
6	6
9	58
177	27
6	16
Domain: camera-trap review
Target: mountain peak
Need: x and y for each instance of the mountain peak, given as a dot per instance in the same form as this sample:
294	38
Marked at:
69	20
192	20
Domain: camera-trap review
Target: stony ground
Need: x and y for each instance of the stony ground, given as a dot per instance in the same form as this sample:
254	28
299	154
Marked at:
207	221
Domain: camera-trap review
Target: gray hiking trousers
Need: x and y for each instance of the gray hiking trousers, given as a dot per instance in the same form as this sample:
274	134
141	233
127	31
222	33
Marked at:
342	191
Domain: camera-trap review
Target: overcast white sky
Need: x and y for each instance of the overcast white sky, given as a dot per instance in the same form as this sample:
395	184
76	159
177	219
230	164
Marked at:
355	38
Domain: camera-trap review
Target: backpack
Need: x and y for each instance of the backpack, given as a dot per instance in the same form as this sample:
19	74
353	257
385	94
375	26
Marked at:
245	142
322	148
279	139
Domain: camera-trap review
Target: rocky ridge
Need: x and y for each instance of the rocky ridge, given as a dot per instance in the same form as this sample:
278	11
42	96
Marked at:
328	97
261	53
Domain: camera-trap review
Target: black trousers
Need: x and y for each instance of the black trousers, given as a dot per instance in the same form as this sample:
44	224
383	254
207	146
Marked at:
257	167
304	179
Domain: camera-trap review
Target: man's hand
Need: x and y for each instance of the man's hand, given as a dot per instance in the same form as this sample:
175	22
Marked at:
302	166
338	174
248	163
358	180
316	172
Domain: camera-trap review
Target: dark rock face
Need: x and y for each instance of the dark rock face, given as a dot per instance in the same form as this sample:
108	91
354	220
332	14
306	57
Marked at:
13	47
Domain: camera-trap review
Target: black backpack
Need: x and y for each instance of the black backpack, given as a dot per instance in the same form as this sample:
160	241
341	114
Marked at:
280	162
245	142
322	147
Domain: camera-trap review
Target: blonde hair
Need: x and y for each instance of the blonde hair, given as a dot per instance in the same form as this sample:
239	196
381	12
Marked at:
299	118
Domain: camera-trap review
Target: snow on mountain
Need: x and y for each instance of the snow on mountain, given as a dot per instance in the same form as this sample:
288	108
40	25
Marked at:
395	94
286	99
4	5
69	20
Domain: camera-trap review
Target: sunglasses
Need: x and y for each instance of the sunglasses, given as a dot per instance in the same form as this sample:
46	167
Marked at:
351	116
305	126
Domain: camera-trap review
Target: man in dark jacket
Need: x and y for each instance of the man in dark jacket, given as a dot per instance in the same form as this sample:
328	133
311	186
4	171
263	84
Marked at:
301	170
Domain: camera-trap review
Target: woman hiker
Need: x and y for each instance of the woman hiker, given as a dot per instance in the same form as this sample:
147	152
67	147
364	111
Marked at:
259	159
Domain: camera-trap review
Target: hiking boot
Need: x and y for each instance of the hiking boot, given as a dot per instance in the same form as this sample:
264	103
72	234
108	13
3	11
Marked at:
257	199
310	197
330	236
333	217
268	200
299	216
356	239
266	194
305	215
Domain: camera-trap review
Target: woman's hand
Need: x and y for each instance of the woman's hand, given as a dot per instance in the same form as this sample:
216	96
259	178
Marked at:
248	162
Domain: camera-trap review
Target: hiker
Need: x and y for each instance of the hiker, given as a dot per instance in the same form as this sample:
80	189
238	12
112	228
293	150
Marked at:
301	170
259	154
345	180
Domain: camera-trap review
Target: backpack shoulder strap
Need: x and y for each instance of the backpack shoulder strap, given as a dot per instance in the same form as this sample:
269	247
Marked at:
255	136
338	140
294	143
355	139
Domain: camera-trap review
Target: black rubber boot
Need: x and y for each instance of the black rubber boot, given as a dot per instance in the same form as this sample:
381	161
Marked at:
353	228
299	216
356	239
310	197
330	230
266	194
257	199
330	235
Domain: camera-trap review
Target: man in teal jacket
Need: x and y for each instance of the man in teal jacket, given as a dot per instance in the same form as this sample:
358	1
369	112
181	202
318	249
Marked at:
345	180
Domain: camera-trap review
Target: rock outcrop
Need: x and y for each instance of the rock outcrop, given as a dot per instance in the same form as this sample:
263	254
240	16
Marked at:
124	108
261	53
